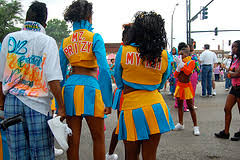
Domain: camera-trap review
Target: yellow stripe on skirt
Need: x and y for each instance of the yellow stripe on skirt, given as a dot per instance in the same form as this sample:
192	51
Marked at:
82	100
143	113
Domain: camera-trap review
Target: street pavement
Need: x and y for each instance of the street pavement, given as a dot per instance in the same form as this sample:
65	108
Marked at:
182	145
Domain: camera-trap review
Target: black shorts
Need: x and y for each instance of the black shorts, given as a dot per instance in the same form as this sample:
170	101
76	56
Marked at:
235	90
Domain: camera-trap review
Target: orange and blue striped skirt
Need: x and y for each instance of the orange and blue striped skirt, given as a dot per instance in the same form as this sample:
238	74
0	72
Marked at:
184	91
143	113
82	97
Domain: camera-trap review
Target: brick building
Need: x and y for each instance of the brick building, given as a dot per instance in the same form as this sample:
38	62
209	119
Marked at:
113	48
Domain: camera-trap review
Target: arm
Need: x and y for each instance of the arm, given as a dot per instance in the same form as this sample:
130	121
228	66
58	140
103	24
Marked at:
188	69
175	74
214	60
235	74
167	72
3	53
104	77
63	62
118	69
2	98
56	89
53	74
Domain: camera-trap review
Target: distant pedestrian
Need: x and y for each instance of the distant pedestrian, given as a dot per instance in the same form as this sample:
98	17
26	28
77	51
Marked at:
217	72
208	61
234	94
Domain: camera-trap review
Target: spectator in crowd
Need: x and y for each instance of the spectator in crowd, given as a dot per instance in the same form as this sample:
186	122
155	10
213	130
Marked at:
217	72
226	66
208	60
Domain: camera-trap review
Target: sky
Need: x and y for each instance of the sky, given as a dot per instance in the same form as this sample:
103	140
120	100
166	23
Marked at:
109	15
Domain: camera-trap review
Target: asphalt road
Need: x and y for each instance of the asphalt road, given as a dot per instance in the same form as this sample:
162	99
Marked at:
183	145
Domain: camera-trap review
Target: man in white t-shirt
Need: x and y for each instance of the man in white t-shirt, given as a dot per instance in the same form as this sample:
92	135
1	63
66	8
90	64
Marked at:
227	63
208	59
29	73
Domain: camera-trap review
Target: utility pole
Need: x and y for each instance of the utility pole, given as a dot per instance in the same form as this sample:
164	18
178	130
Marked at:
172	25
189	19
187	30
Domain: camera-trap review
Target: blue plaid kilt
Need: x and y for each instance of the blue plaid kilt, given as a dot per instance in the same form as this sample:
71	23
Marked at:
31	139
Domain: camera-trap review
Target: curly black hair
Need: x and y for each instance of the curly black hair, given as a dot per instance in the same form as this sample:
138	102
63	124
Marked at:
238	46
37	12
78	10
182	45
127	34
149	34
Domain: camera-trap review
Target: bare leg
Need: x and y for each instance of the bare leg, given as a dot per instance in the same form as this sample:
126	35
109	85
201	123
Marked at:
192	111
132	150
149	147
230	102
180	110
213	84
238	102
75	123
114	139
114	142
96	126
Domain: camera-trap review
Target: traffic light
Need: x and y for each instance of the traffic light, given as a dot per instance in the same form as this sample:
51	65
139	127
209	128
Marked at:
205	13
216	31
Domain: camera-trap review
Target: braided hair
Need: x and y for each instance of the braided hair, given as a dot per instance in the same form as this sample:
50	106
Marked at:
78	10
149	34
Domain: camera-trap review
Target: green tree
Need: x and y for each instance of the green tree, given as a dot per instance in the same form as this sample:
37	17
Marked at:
10	15
57	29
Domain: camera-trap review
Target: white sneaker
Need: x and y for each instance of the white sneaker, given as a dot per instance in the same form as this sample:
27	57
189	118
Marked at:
60	131
169	93
195	107
111	157
58	152
226	89
178	127
196	131
214	93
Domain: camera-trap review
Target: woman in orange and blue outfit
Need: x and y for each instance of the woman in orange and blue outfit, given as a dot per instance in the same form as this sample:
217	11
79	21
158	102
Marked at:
184	89
141	68
84	95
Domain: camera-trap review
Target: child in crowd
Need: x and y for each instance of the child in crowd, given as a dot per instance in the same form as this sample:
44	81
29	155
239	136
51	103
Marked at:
184	89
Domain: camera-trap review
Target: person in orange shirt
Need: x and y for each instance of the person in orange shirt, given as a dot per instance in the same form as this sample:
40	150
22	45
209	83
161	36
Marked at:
184	89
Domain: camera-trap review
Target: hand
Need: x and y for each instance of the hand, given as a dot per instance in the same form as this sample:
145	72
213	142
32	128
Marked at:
107	110
178	69
181	64
177	60
61	113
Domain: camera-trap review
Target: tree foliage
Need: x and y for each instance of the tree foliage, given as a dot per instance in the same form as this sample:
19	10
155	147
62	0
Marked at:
58	29
10	15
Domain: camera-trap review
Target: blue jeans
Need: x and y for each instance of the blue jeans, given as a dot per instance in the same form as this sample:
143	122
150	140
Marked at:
206	79
228	83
